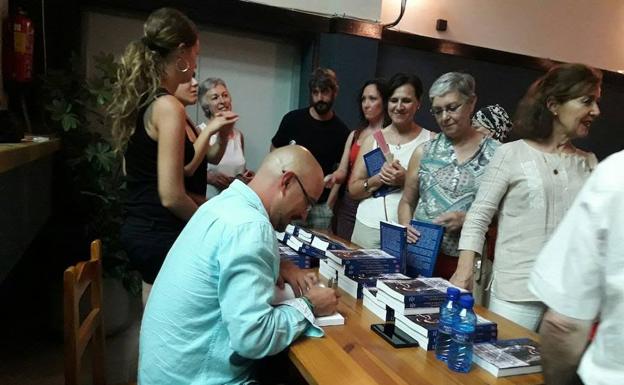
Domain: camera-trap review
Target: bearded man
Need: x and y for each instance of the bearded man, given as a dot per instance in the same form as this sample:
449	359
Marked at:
318	129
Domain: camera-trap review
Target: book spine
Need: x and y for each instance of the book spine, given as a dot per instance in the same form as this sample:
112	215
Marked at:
423	301
312	251
371	263
354	271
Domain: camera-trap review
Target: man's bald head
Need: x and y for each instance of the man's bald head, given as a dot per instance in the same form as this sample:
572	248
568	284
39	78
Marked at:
277	183
296	159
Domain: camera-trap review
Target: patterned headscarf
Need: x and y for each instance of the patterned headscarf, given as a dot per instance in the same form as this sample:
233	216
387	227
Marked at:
495	119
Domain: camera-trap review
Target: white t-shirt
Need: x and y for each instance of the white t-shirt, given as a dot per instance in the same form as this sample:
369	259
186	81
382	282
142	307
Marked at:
580	271
232	163
372	210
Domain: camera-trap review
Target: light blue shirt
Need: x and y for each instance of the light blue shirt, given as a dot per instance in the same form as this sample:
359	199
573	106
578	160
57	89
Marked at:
209	315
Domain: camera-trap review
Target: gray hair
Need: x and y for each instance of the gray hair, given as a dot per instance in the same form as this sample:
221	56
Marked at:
453	81
204	87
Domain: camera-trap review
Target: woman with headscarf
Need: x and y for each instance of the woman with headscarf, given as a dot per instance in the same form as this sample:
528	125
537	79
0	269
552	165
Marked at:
493	121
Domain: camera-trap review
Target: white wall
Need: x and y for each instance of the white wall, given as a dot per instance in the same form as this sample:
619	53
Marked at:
588	31
361	9
262	73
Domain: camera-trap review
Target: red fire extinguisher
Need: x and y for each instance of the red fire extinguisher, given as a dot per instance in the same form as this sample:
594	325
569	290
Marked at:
20	56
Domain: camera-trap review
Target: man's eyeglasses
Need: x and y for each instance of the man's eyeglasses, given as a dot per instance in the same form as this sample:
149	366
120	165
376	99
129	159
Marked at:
311	202
450	109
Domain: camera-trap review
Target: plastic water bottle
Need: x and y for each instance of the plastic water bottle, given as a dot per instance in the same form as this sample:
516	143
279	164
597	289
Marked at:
445	326
462	338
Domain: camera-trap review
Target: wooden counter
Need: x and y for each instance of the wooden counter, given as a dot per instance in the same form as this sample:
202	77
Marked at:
25	185
13	155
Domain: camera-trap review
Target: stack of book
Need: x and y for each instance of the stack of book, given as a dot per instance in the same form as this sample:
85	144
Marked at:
304	241
370	301
327	270
356	269
424	328
354	285
414	296
303	261
509	357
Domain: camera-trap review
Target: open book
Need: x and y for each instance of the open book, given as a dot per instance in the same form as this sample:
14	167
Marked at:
287	293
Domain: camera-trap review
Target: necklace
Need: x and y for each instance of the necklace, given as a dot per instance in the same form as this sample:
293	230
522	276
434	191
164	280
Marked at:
555	168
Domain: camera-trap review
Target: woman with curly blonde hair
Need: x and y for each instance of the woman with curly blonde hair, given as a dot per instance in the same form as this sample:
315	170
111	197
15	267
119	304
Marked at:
148	125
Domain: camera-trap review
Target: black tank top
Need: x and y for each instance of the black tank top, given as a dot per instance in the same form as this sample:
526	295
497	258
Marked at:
195	183
142	199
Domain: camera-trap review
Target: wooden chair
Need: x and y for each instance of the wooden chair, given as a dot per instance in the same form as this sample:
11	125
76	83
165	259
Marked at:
77	280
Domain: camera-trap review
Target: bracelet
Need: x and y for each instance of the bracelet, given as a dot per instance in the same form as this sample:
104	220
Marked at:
308	302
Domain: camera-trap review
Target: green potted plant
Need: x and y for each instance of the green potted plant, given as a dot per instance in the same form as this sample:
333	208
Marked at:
76	111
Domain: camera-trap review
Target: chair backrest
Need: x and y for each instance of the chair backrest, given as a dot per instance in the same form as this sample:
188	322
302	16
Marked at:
77	279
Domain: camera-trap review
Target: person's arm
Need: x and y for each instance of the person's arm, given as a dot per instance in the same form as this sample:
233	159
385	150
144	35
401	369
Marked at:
300	280
247	175
197	198
202	143
281	137
570	273
343	170
491	191
411	192
359	175
563	341
246	288
168	119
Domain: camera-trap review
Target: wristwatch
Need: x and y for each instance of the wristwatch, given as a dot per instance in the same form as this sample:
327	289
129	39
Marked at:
366	184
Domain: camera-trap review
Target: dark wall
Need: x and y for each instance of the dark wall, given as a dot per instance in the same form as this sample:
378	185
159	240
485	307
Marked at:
502	84
354	60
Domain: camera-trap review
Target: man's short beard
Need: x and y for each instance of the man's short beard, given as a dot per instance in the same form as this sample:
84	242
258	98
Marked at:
322	108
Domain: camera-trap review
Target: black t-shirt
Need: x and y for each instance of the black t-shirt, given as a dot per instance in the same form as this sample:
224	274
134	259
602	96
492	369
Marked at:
325	139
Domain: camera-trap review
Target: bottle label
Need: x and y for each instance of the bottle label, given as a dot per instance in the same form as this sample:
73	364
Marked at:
463	338
444	328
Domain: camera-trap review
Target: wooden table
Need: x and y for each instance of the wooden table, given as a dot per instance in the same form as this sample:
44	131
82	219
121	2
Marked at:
353	354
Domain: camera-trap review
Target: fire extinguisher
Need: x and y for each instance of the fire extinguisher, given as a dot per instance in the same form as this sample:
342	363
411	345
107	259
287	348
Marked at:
22	36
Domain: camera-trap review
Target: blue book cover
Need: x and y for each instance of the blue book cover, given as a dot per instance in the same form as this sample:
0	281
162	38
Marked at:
422	255
393	240
374	161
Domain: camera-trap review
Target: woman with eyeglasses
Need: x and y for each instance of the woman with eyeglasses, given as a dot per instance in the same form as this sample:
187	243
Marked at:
403	135
530	183
444	174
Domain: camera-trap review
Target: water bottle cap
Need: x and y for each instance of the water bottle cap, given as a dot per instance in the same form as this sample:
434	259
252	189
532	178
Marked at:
466	301
452	293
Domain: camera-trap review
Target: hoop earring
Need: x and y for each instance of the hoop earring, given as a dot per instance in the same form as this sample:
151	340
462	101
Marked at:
185	69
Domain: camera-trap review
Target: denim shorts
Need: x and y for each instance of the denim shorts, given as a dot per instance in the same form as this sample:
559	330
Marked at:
147	244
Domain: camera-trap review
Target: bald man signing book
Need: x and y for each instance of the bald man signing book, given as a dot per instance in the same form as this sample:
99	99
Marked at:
209	317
